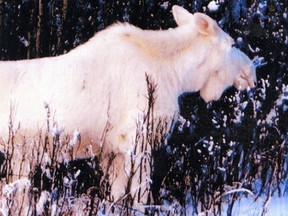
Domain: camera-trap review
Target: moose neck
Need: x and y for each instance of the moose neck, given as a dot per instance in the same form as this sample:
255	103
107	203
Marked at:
183	49
166	44
188	52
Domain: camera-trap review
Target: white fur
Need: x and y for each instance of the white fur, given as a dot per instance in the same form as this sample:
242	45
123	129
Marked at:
103	82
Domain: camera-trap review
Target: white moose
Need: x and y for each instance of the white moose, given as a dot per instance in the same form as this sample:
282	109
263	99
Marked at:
100	88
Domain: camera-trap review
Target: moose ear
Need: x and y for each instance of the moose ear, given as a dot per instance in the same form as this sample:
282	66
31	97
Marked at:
205	25
181	15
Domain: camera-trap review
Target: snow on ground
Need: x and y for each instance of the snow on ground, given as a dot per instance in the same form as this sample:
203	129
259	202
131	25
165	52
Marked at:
277	206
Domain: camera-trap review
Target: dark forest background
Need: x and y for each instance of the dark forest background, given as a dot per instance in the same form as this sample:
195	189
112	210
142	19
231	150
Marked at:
240	141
